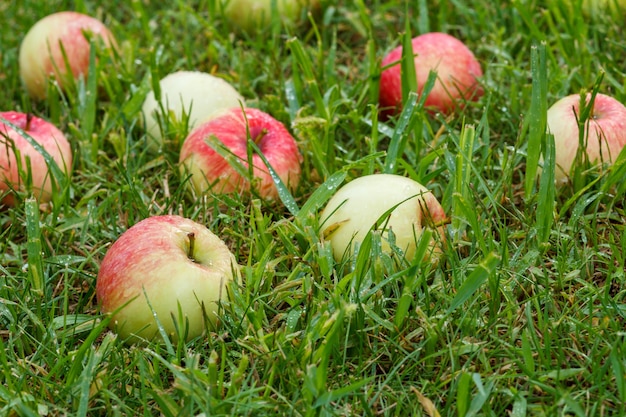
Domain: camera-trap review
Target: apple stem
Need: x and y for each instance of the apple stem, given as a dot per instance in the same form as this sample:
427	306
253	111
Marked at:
192	241
259	137
29	118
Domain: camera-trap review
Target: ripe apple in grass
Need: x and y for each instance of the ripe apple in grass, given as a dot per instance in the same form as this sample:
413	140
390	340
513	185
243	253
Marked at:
198	95
166	265
21	164
211	172
457	71
356	207
255	15
52	40
605	132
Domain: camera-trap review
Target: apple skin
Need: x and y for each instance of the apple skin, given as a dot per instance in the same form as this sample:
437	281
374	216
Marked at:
605	132
149	265
41	57
254	15
48	136
198	94
354	209
211	172
457	70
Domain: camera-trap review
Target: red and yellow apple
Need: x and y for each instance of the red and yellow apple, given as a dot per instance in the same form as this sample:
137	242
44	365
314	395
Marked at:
457	70
605	132
21	165
357	207
160	267
198	95
211	172
52	40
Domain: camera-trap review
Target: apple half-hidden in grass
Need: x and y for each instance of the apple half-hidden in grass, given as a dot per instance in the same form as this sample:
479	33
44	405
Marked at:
457	70
253	16
53	40
357	207
605	132
194	94
212	172
170	266
22	165
601	8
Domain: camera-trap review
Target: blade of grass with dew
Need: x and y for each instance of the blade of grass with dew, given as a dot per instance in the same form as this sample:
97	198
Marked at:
400	134
586	113
321	195
475	280
87	99
304	68
97	354
538	114
408	77
35	261
404	303
283	192
463	179
547	193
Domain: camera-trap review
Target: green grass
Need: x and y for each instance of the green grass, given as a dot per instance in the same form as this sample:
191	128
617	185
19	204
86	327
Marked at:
524	316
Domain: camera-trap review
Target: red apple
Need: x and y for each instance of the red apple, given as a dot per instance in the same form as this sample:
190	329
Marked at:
357	206
197	94
457	72
13	175
41	55
605	131
212	172
160	265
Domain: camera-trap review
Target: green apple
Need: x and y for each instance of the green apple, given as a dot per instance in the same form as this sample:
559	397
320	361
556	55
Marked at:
356	207
601	7
198	95
254	15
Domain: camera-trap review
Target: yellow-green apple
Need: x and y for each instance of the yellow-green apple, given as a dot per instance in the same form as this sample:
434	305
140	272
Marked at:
357	206
231	131
166	268
605	131
22	165
198	95
254	15
58	47
602	7
457	70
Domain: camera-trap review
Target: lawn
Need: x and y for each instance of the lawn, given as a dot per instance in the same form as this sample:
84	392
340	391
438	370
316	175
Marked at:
524	315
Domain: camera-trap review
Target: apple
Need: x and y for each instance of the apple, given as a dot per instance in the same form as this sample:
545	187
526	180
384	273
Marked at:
196	94
160	265
210	171
356	207
605	131
457	71
41	56
32	168
255	15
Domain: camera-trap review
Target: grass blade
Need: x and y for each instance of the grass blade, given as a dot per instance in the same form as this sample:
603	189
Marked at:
475	280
